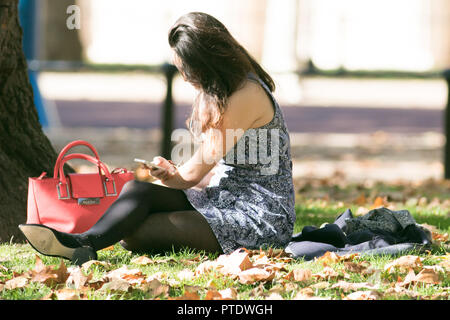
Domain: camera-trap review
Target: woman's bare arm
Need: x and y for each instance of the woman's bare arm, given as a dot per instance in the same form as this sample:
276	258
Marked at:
240	115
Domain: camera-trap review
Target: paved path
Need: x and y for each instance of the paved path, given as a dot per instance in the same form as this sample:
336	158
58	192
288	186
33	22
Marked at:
142	115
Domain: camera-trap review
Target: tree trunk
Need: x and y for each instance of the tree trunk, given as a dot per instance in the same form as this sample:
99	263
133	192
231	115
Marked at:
58	42
25	150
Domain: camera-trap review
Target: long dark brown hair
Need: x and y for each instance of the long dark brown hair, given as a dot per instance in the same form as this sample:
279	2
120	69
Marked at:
213	61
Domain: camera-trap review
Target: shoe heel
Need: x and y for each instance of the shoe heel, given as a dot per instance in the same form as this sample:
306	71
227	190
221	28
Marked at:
44	240
83	254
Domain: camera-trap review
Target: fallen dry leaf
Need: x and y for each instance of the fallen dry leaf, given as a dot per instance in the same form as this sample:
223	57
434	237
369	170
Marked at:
299	275
274	296
304	294
271	253
361	200
39	265
47	275
440	295
307	294
173	282
409	278
187	296
445	263
116	285
205	267
400	291
428	275
95	285
328	258
123	273
435	235
115	279
350	286
370	271
320	285
190	288
277	288
404	263
161	276
155	288
289	286
326	274
258	291
50	296
110	248
289	276
185	275
380	202
77	279
228	294
355	267
232	264
441	237
213	295
165	260
91	263
364	295
349	257
235	264
17	282
142	260
192	261
255	274
272	267
67	294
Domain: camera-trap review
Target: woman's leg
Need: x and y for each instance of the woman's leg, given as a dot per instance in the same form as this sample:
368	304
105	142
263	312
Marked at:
137	201
164	231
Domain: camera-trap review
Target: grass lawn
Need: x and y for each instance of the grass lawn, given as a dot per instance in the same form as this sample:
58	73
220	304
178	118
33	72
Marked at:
268	274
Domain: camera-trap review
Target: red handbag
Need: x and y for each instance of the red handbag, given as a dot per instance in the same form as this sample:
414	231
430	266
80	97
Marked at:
75	202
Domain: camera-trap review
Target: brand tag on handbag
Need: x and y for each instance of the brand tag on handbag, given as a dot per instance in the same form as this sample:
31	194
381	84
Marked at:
88	201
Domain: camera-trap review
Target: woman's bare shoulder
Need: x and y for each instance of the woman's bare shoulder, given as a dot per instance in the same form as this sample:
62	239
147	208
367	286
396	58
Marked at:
252	100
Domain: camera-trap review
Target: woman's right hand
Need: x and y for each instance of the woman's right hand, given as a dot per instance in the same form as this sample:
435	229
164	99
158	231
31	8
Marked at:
166	171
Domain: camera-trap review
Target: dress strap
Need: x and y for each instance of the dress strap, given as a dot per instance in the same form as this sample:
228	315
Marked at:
252	76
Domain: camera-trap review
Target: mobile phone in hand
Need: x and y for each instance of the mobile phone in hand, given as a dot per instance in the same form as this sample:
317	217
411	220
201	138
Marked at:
149	164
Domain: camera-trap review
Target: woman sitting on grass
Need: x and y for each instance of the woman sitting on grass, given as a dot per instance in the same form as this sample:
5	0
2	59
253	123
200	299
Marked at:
235	191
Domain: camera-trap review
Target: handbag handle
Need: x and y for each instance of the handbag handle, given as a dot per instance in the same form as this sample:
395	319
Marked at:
83	156
69	146
101	166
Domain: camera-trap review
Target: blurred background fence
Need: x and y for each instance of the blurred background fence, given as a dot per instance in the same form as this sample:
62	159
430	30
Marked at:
360	81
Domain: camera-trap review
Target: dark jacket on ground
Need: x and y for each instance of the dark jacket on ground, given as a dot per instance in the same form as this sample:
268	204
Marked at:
380	231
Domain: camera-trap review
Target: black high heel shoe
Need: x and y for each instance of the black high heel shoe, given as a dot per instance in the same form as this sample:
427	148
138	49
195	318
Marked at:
50	242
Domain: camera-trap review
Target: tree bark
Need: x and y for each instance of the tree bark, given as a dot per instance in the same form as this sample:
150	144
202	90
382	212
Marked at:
59	43
25	150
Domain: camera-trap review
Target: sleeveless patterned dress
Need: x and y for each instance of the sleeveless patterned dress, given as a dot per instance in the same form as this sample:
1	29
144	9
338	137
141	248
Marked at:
249	201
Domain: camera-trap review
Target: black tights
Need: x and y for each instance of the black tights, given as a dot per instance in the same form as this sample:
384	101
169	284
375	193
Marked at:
152	218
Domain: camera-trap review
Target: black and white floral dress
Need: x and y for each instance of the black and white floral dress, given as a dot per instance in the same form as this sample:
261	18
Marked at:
249	201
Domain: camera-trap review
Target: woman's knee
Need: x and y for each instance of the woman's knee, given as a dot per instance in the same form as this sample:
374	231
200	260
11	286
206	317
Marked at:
129	185
136	187
133	184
